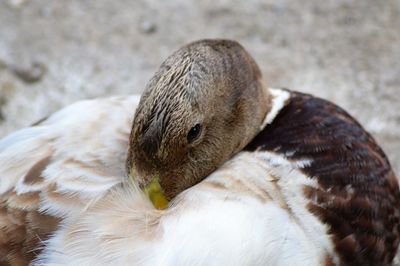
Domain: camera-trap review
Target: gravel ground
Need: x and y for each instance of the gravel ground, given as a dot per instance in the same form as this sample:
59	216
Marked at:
53	53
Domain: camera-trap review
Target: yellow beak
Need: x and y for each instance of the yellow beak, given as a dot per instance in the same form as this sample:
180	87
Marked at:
154	191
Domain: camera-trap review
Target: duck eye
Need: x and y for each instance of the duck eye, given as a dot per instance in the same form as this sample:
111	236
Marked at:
194	133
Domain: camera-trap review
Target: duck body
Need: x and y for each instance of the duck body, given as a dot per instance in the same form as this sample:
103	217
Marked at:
312	188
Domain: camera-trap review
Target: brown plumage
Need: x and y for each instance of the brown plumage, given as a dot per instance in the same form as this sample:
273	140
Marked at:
23	228
358	194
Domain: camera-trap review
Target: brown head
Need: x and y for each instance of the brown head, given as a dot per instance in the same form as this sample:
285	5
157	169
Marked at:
205	103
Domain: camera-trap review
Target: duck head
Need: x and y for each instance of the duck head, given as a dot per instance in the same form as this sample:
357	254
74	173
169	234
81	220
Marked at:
204	104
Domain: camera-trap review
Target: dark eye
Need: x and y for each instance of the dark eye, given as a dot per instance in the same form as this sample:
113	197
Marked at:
194	133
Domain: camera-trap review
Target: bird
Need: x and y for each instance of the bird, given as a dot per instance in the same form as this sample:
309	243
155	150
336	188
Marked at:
213	168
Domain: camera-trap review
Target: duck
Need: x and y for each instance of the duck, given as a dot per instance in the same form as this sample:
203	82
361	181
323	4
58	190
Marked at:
214	168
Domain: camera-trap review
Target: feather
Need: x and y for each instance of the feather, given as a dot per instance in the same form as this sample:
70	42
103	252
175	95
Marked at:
312	188
57	168
357	194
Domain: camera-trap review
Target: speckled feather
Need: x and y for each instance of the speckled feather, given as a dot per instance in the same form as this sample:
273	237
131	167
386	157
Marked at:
56	168
358	194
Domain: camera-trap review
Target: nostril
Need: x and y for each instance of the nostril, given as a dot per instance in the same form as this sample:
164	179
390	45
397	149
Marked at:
137	178
143	178
142	183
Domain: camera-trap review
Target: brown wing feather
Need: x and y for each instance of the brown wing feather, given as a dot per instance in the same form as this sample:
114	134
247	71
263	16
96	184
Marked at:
358	196
23	227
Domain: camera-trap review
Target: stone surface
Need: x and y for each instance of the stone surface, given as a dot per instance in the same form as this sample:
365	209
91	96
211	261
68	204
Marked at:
347	51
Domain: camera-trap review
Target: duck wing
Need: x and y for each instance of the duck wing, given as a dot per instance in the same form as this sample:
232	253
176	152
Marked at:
57	168
358	193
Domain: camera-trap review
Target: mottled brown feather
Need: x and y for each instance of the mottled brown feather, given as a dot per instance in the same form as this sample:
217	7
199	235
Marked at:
358	195
34	174
22	226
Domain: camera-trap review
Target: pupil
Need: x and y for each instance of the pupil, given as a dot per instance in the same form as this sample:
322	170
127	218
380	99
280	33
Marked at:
193	133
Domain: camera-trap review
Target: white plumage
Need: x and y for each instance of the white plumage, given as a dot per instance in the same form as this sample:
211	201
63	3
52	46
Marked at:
251	211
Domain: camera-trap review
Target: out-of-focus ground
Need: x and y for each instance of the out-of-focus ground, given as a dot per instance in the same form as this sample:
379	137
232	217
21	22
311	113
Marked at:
53	53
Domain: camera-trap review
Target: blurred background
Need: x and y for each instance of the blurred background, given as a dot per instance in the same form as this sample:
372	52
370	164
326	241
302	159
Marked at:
53	53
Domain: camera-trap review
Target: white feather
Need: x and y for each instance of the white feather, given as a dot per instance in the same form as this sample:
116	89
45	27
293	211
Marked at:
87	146
249	212
279	99
206	226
